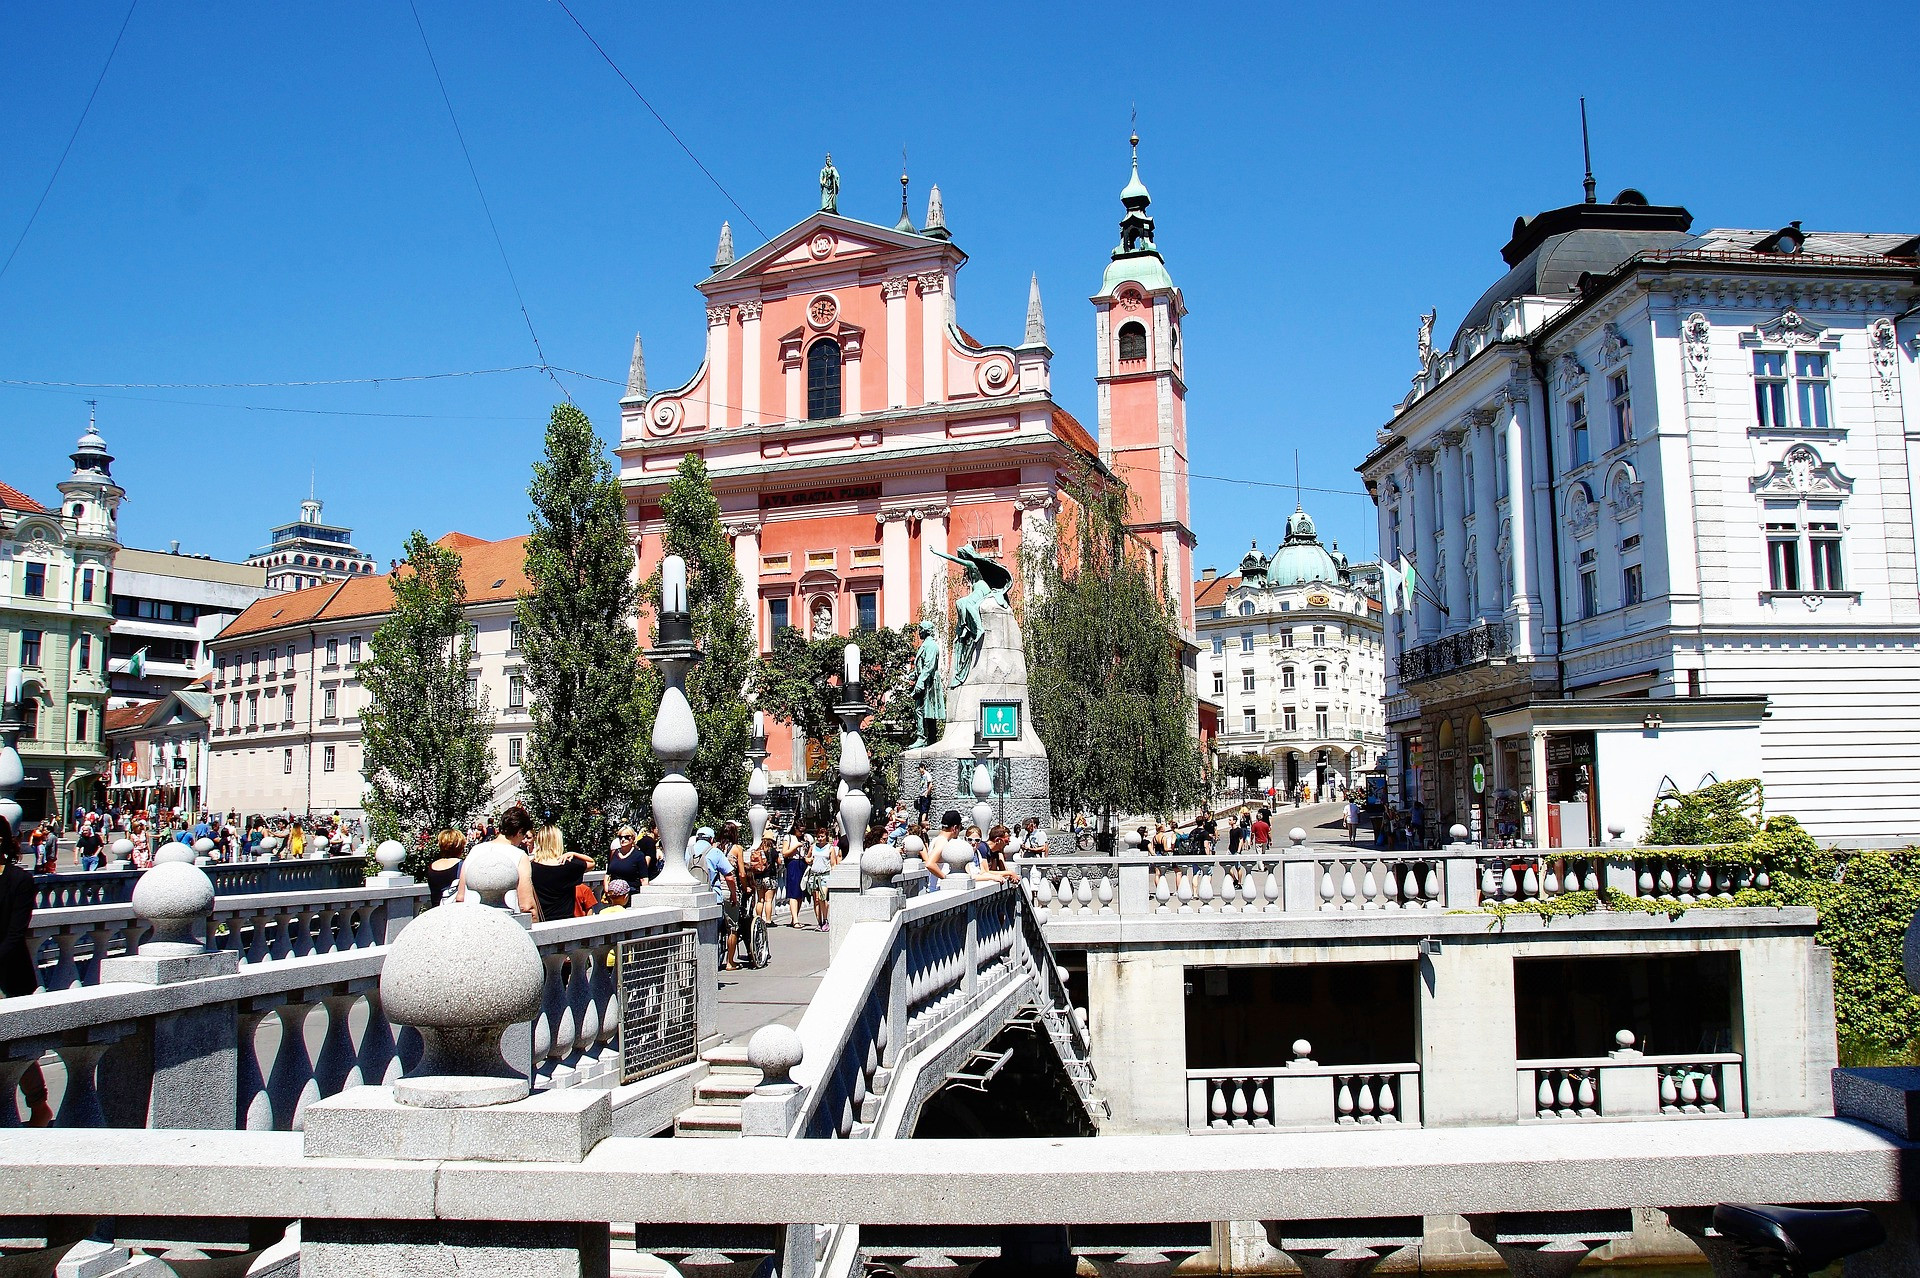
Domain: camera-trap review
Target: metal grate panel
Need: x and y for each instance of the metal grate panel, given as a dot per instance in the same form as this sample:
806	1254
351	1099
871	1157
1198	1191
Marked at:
658	997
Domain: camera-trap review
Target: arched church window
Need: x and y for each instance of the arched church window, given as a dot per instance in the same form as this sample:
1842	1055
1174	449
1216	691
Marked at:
823	379
1133	340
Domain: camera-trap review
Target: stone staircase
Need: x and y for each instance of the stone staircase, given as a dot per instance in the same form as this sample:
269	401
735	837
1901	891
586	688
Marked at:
715	1112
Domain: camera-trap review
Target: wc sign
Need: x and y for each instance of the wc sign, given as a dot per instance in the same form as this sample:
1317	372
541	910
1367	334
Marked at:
1000	721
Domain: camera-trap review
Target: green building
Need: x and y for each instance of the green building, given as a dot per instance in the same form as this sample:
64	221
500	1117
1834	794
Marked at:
56	604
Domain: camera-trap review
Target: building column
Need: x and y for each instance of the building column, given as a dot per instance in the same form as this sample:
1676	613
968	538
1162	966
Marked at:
1522	606
933	569
1486	519
894	290
851	404
1537	778
1451	465
719	340
933	338
746	562
751	410
1425	544
896	568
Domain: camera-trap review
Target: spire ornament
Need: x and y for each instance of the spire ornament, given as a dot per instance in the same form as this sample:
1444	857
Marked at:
936	216
637	372
905	224
723	255
1036	321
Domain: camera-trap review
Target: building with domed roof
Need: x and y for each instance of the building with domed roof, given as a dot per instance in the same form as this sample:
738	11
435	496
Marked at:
1291	662
55	608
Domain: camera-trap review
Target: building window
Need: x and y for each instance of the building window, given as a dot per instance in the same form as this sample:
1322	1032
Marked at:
867	605
86	652
1286	637
1246	681
1219	645
1286	676
1246	607
516	692
1246	641
1289	719
286	761
1319	636
333	653
79	725
1804	546
1249	720
1589	585
220	670
1622	396
253	674
253	709
30	647
1319	676
288	720
29	718
353	647
1811	390
36	581
219	716
1133	340
86	585
1630	587
1466	483
1219	683
273	659
329	702
823	380
1770	389
326	759
779	617
1393	530
513	637
514	748
1577	426
1320	722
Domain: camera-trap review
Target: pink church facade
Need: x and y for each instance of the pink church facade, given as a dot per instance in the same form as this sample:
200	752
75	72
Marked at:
853	431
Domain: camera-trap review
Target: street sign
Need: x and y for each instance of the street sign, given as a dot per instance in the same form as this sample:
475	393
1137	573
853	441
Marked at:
1000	720
1479	777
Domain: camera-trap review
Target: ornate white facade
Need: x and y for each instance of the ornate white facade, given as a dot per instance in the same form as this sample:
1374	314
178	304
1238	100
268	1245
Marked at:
1658	494
1292	662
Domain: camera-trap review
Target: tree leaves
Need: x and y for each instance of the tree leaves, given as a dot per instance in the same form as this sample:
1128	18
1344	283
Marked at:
583	764
798	682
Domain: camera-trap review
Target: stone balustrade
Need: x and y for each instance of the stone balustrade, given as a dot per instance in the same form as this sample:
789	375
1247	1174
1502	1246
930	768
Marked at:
71	941
255	1048
1303	1097
1627	1085
115	887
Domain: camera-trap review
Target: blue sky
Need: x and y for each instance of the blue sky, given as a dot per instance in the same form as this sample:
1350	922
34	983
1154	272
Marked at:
273	193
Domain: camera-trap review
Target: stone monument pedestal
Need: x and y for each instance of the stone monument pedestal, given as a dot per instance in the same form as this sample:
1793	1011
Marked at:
1019	763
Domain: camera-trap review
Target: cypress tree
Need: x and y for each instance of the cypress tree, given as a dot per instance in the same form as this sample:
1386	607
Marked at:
722	630
1110	697
582	766
426	733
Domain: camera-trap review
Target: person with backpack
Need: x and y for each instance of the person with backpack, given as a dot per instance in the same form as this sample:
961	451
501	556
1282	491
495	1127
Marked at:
763	872
723	876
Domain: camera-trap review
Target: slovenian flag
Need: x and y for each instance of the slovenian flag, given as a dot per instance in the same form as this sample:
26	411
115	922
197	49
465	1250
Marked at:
137	664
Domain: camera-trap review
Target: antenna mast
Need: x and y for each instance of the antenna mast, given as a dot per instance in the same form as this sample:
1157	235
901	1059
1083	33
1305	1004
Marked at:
1586	150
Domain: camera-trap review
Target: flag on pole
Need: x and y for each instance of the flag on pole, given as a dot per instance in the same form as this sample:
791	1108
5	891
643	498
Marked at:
13	685
1390	587
1409	578
137	664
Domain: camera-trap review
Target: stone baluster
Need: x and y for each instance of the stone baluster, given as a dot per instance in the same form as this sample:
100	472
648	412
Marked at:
1342	1248
80	1060
291	1086
1548	1244
676	736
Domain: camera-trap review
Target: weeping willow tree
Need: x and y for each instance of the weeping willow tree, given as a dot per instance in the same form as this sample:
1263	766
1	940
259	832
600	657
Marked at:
1105	678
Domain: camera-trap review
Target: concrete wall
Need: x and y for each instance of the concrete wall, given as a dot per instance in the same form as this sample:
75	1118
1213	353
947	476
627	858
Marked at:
1632	763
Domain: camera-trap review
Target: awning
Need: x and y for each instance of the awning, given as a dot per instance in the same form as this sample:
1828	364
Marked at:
85	774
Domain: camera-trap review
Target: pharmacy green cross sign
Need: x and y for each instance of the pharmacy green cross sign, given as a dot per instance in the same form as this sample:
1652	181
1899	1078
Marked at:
1000	720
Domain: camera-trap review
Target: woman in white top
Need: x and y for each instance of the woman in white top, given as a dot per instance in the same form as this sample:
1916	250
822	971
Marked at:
822	857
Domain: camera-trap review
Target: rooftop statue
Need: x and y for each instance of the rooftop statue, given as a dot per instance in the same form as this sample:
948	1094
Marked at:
829	187
987	581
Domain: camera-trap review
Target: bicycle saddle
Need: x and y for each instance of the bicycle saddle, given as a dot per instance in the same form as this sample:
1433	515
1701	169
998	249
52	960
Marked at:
1812	1240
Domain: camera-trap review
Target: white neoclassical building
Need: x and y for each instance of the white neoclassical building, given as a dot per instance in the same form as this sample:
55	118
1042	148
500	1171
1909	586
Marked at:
1658	495
1291	661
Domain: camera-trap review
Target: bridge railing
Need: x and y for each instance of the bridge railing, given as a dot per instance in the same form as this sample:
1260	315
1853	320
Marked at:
253	1049
115	887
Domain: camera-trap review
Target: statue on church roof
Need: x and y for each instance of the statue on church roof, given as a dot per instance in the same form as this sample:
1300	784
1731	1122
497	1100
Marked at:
829	187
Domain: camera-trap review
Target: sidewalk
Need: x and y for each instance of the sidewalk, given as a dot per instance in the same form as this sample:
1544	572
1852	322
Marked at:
779	993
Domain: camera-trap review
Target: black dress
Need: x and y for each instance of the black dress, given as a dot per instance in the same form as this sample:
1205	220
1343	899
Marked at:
553	886
438	881
18	975
632	868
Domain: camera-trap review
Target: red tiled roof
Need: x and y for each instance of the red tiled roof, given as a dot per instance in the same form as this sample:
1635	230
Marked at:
1068	428
492	570
1207	593
134	716
12	498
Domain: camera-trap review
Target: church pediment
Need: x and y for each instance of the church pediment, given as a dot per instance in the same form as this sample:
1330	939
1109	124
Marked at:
826	239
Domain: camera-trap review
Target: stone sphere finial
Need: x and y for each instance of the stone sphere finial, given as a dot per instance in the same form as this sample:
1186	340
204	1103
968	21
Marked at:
173	852
1457	832
1132	839
881	865
122	849
1297	836
1623	1039
173	896
203	845
390	854
913	845
775	1051
461	977
1615	832
317	845
493	870
957	855
1302	1048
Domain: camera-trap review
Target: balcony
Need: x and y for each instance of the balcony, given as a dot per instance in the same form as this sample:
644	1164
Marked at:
1481	644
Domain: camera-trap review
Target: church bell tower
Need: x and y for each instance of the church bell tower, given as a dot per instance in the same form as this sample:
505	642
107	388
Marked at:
1140	371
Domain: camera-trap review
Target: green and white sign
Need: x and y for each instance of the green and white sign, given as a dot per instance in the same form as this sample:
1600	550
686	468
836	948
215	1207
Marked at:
1479	777
1000	720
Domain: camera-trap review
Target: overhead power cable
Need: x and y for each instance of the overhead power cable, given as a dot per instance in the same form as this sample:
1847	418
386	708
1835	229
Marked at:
474	172
312	381
608	59
71	137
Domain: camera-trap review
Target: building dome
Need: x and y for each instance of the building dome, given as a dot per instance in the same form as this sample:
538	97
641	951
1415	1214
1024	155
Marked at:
1301	557
90	455
1253	568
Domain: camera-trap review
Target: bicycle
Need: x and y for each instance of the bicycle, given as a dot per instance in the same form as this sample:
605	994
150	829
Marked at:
1791	1242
